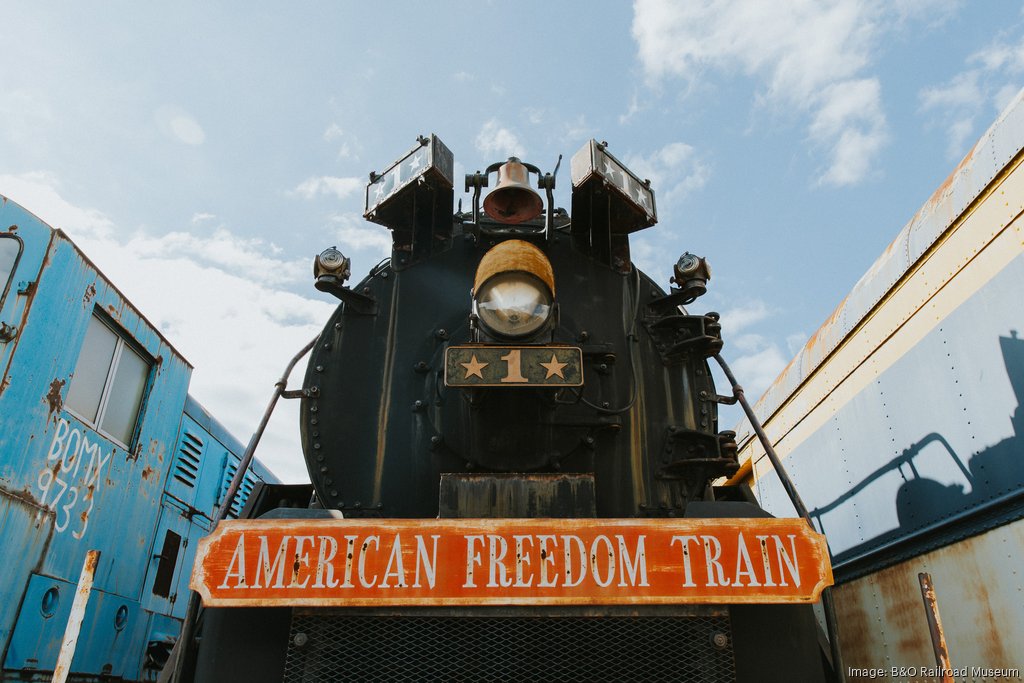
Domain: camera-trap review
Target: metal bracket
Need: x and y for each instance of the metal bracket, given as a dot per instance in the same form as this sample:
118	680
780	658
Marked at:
670	303
7	332
690	452
679	336
354	301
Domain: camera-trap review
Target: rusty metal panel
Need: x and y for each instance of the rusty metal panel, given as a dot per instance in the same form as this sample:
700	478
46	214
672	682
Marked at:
25	533
113	627
517	495
977	585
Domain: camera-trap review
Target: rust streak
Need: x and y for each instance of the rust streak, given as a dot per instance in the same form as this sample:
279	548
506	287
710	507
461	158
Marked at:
90	292
931	607
53	398
24	496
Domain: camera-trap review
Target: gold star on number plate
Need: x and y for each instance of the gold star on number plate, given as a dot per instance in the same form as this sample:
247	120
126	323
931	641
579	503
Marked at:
475	367
554	367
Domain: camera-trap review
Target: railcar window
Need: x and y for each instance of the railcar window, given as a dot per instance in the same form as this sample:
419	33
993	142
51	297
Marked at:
10	249
109	381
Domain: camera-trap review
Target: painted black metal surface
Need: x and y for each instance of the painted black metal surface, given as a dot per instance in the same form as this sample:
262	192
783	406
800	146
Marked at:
385	435
380	422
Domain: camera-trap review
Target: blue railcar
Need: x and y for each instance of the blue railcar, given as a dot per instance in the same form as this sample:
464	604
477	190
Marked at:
101	448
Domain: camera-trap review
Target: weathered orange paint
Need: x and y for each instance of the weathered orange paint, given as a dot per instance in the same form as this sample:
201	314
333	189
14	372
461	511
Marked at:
515	256
375	562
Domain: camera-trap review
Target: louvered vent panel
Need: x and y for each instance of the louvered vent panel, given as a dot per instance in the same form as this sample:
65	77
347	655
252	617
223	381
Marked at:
242	495
186	469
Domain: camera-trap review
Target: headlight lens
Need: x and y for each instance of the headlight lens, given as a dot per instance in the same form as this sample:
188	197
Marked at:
513	304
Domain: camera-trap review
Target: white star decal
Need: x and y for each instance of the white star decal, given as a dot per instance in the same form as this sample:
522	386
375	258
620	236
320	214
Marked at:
641	197
609	170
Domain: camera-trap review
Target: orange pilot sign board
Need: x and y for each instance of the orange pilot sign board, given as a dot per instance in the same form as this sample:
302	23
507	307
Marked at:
390	562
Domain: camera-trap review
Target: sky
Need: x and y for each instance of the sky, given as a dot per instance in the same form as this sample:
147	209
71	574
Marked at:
202	154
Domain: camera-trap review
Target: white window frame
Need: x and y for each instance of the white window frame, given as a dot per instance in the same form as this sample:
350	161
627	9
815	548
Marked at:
108	384
5	286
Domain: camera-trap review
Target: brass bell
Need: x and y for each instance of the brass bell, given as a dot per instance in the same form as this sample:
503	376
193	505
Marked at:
513	200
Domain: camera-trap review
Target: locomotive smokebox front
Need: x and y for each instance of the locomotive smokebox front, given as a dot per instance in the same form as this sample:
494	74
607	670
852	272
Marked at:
509	339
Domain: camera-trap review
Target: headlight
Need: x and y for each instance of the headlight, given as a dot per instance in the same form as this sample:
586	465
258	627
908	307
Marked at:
514	289
513	304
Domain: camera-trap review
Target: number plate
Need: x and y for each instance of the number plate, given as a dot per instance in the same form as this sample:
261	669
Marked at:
511	366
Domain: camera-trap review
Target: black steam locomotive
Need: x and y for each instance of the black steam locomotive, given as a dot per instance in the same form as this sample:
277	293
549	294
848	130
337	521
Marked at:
510	362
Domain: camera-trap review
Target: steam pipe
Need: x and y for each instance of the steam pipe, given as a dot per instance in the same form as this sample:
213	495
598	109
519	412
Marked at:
188	626
826	595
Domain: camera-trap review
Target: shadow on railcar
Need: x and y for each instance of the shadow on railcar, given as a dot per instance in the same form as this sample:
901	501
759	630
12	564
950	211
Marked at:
931	513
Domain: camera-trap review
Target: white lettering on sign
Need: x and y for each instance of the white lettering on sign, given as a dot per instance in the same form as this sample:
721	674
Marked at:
622	561
69	448
273	562
744	574
443	562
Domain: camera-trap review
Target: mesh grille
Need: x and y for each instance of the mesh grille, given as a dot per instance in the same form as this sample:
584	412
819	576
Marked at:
403	648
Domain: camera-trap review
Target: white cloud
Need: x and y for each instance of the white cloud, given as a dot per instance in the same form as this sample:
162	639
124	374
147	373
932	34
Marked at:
25	114
990	79
750	312
353	233
799	45
756	371
1005	95
959	135
963	89
999	56
494	140
180	125
216	298
246	258
39	192
807	55
675	170
579	128
187	130
852	124
534	115
795	342
328	185
334	133
632	110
